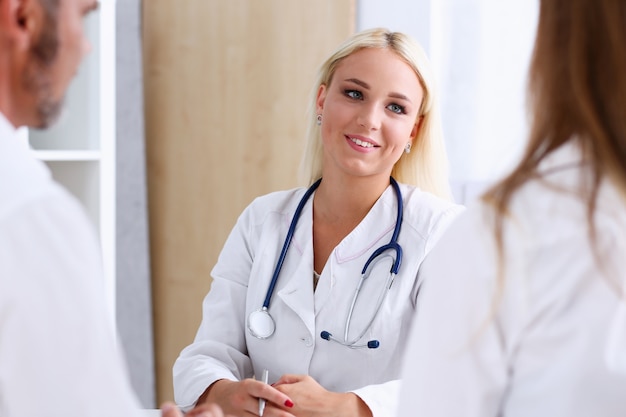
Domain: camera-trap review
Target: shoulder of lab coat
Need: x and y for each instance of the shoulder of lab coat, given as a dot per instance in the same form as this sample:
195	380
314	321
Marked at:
429	216
57	342
470	357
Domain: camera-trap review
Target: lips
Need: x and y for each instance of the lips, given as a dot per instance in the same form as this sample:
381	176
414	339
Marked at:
363	143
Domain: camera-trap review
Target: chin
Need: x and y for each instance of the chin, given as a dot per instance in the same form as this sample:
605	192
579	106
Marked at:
48	112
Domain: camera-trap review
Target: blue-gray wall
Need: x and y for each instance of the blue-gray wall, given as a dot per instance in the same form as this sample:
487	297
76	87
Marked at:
134	295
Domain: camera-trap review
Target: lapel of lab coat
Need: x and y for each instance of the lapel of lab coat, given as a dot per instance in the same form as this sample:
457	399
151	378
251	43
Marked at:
298	294
347	260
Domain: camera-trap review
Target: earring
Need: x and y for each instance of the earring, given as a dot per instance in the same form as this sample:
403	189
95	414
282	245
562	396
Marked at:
407	148
319	119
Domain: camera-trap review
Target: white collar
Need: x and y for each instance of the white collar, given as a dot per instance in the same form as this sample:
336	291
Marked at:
6	128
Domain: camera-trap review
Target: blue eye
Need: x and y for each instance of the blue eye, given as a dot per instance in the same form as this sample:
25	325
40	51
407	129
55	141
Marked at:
396	108
354	94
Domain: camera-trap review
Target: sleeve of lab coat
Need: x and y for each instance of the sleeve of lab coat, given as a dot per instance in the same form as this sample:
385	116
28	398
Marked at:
58	355
382	399
219	349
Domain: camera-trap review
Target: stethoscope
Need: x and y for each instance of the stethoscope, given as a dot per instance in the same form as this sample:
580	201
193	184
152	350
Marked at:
261	324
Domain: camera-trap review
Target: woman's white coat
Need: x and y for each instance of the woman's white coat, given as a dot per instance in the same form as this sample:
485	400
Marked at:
224	347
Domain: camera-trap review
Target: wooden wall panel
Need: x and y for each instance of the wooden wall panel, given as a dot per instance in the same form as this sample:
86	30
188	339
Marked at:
226	89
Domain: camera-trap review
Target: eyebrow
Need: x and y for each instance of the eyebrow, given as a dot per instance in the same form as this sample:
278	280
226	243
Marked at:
367	87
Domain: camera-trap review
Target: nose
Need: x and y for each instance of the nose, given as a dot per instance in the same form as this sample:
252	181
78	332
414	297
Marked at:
370	117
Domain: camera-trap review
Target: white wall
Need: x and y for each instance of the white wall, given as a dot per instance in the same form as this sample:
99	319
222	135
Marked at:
480	50
409	16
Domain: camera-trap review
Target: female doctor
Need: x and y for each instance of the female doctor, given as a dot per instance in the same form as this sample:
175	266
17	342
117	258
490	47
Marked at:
284	295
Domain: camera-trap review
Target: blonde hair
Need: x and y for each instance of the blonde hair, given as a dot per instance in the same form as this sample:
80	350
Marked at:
427	164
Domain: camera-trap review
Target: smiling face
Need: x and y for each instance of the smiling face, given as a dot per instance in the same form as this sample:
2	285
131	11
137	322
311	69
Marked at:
369	113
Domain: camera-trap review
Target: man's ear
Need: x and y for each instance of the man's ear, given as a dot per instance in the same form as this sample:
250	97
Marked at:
21	21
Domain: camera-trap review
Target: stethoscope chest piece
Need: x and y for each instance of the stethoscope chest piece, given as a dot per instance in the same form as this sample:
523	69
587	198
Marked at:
261	324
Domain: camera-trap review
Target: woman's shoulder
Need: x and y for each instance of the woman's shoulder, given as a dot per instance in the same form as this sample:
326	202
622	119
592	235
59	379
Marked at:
426	211
422	203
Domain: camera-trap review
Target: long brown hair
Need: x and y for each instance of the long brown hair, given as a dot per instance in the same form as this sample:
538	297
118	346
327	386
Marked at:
577	94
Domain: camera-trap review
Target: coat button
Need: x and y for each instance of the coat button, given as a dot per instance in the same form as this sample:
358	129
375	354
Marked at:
308	342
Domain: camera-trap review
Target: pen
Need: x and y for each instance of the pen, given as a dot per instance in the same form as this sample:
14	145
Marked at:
262	400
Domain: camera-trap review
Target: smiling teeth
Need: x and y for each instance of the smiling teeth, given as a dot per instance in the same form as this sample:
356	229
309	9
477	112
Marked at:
361	143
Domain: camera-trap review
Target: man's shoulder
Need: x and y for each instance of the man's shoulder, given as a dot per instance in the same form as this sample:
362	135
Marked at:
22	177
19	191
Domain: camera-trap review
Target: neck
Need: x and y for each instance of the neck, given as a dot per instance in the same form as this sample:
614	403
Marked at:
348	199
14	98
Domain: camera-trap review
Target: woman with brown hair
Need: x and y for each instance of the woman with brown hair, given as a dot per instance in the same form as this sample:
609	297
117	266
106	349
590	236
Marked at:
522	308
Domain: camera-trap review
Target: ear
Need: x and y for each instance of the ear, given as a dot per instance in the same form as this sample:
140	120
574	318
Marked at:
21	21
321	97
416	128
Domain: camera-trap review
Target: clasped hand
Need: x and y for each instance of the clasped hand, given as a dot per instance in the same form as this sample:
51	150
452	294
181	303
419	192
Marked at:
290	396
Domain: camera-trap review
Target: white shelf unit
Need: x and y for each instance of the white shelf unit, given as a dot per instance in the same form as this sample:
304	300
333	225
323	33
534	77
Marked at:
80	148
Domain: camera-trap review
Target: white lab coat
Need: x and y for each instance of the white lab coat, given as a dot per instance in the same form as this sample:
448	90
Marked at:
57	348
224	348
542	352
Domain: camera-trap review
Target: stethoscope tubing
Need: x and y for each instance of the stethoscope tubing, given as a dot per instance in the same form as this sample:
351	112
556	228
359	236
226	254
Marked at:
392	245
290	233
381	300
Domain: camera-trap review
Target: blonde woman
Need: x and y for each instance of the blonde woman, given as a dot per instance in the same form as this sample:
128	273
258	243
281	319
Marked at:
317	285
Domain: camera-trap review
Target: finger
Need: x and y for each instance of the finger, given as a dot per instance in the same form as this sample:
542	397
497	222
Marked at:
169	409
271	394
205	410
275	411
289	379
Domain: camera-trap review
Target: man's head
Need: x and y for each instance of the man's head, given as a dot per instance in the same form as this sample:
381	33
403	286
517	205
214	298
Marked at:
42	44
